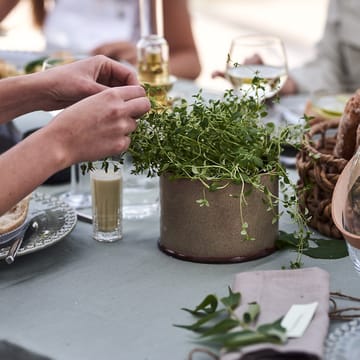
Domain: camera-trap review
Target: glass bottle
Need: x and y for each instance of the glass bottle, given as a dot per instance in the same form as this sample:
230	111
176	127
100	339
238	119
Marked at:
141	193
153	50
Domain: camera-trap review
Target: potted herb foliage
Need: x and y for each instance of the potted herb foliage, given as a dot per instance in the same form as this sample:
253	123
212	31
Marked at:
219	169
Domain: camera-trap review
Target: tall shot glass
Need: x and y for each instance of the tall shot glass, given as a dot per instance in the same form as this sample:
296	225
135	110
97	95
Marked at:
106	192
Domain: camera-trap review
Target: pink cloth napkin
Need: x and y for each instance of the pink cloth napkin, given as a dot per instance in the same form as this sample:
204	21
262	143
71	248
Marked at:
276	291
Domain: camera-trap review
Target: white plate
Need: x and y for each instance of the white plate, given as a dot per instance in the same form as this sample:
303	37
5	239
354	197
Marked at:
344	342
330	105
56	222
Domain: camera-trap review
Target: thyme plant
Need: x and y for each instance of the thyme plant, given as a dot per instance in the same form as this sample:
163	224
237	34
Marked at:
218	142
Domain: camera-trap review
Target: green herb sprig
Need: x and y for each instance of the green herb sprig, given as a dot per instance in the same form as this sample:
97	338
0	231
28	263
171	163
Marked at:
218	325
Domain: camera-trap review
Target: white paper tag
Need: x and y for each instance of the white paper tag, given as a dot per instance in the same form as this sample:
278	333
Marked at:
298	318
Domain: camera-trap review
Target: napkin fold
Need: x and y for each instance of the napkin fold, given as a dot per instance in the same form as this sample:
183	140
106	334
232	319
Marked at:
275	291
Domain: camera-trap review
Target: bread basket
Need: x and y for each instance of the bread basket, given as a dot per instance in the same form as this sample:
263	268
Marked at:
319	171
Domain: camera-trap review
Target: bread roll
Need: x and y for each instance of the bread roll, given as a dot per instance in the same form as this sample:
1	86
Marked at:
7	69
346	141
15	216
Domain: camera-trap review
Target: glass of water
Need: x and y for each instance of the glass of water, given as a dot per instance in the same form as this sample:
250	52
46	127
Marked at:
141	193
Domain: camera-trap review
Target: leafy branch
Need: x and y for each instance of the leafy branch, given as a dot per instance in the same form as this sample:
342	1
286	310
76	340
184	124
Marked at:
218	326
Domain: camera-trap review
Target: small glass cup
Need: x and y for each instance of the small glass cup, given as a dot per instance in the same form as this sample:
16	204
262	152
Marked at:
141	193
107	193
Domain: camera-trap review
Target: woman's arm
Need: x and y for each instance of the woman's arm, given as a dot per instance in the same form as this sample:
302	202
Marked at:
20	95
184	58
106	100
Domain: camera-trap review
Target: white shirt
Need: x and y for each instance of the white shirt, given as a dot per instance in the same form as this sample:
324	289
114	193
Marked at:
81	25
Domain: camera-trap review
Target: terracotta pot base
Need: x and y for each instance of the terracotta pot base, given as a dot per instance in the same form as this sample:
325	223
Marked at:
215	260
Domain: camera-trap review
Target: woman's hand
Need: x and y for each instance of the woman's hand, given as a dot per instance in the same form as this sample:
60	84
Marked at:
93	128
98	126
64	85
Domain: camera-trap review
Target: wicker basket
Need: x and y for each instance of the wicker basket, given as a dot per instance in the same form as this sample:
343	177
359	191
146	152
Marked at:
318	171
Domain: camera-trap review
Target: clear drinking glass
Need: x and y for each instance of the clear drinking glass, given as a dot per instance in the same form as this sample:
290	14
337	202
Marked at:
107	195
141	193
79	196
257	55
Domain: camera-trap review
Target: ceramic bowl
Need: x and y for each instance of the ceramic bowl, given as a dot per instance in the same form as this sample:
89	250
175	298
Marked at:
337	210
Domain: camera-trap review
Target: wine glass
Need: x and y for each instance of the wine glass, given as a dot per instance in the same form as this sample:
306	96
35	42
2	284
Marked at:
79	195
260	56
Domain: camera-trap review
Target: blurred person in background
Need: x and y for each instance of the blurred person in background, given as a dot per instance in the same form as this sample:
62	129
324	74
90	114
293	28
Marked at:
112	28
336	66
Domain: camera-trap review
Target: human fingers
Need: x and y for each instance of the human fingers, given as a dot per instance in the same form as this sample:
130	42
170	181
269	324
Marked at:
137	103
130	92
138	107
112	73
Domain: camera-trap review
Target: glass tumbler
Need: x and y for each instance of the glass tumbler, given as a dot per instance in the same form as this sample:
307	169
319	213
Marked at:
106	192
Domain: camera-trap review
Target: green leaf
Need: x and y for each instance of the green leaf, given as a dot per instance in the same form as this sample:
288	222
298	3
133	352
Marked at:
203	202
198	325
252	312
317	248
327	249
221	327
208	305
236	340
285	241
232	301
34	65
274	330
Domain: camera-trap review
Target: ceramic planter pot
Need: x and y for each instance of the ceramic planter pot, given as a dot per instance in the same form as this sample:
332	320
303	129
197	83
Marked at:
212	234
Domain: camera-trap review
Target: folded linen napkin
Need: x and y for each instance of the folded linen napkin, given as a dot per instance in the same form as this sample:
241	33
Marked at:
275	291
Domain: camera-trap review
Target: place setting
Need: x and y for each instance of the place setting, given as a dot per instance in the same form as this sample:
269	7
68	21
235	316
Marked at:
47	221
